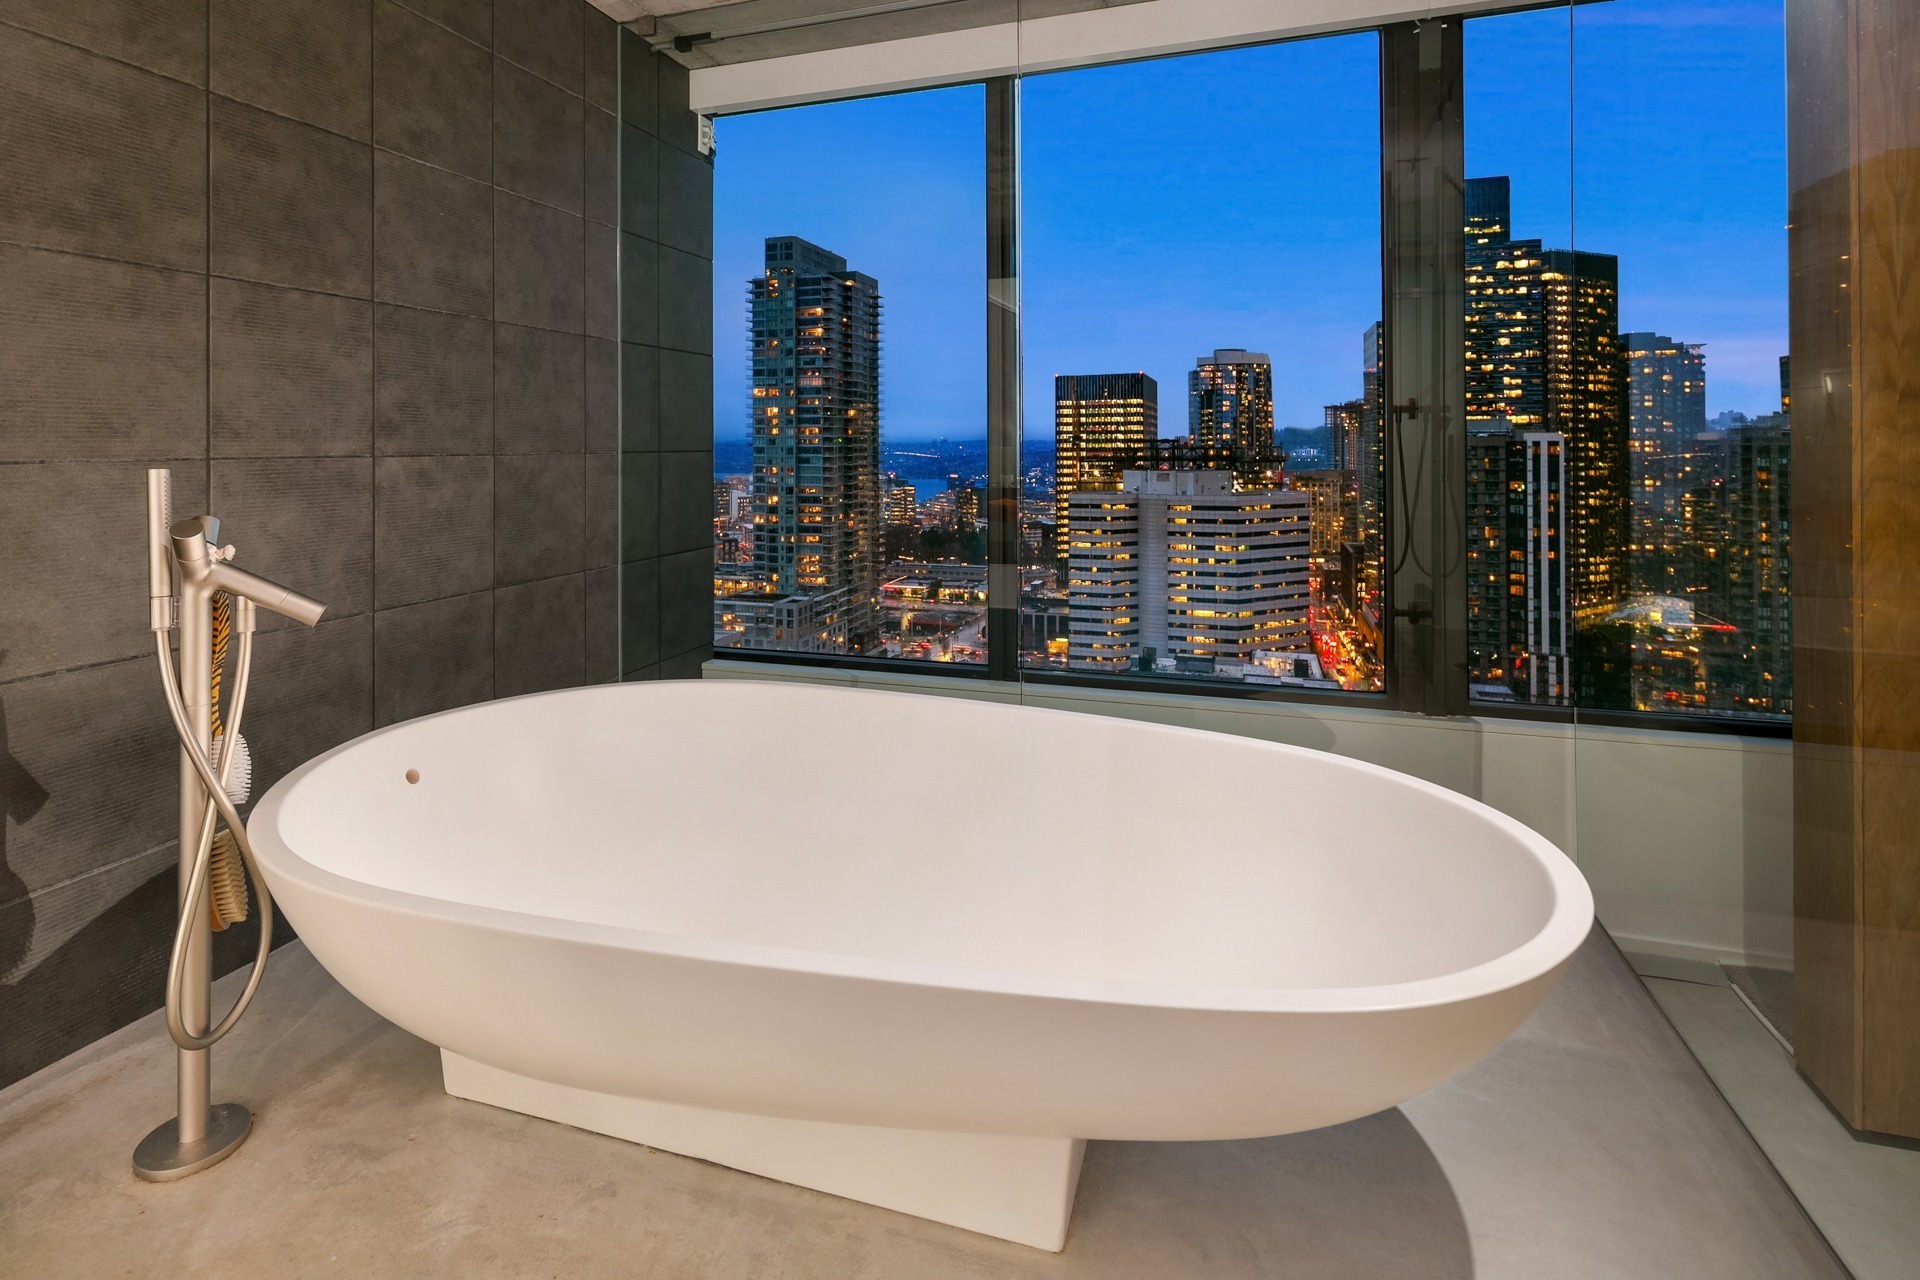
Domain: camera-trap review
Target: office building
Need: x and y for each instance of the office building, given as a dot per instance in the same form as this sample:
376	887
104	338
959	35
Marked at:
1180	571
1344	422
1666	412
1103	424
814	346
1758	559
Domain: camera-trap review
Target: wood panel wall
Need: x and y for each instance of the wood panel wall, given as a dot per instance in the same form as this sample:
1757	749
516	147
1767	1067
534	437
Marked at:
1854	253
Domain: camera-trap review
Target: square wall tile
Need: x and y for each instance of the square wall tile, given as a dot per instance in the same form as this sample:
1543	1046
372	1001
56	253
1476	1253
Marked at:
91	772
313	691
640	398
539	387
432	657
76	583
686	502
539	636
538	264
603	624
686	201
291	205
602	518
537	131
640	290
432	233
63	319
640	506
685	666
686	602
432	528
433	385
639	616
686	401
686	302
539	505
601	75
639	82
432	92
311	61
544	36
603	396
639	183
307	523
470	18
291	373
601	166
168	36
673	122
601	281
99	157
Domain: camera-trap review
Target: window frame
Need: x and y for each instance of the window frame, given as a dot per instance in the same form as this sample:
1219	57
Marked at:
1418	648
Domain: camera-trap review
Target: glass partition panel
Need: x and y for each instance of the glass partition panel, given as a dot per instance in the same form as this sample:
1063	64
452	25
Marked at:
1200	302
1521	322
849	379
1680	200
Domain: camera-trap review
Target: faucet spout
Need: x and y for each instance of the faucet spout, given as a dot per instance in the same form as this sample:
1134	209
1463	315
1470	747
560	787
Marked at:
202	566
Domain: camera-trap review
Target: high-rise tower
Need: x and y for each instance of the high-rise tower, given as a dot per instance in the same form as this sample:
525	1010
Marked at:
1505	323
815	355
1230	416
1543	351
1587	404
1666	412
1103	425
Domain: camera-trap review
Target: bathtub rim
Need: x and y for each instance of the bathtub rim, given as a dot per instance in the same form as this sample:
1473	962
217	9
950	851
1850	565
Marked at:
1568	923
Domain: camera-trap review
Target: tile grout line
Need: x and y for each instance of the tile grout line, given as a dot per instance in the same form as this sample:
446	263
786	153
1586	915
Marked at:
493	355
373	379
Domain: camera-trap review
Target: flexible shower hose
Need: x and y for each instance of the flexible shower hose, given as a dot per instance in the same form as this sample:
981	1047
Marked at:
194	902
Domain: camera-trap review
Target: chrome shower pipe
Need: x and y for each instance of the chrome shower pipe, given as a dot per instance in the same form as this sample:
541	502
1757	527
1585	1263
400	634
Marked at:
184	570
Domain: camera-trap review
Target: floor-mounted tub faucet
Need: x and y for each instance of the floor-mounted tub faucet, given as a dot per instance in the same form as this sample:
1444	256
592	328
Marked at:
187	574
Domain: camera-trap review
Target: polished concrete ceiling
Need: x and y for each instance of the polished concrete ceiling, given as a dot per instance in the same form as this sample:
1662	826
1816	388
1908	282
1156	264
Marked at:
749	30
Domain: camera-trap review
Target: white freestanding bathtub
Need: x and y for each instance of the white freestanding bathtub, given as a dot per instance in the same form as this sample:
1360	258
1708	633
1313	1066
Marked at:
907	949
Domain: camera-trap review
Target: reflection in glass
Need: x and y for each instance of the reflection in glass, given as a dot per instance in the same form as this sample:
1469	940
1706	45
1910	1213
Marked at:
1628	486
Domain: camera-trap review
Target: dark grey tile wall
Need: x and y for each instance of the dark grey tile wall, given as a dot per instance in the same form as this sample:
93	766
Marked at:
351	269
665	316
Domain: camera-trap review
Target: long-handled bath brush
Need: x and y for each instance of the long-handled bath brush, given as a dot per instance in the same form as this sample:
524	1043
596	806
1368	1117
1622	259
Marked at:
227	877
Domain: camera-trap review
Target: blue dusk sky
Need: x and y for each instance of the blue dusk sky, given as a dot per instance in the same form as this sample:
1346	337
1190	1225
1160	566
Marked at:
1232	200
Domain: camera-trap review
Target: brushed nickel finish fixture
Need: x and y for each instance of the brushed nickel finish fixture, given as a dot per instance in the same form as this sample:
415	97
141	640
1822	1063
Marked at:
186	569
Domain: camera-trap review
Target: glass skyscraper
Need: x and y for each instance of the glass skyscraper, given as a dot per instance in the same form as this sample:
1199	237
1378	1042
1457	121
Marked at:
1666	412
1230	416
814	347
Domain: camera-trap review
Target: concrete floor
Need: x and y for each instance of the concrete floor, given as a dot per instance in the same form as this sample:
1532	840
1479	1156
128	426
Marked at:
1590	1145
1864	1195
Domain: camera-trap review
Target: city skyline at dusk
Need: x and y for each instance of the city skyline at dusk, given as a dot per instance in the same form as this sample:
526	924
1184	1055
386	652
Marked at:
1122	271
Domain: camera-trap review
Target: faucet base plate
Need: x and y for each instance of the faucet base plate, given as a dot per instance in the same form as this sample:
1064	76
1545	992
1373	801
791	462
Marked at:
162	1157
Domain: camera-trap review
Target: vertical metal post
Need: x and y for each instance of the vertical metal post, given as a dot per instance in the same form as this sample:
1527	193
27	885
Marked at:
1423	221
1003	379
196	679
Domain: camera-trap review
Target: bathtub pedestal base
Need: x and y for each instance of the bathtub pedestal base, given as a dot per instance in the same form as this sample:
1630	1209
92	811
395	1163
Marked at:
1018	1189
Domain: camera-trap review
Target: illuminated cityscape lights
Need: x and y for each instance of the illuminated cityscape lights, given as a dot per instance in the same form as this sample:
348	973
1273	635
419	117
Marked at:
1621	551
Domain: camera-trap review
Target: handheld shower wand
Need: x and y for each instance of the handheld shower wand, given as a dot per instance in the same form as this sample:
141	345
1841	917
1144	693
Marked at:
186	570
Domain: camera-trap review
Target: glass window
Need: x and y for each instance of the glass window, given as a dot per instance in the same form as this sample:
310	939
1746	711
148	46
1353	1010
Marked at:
850	378
1626	331
1200	296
